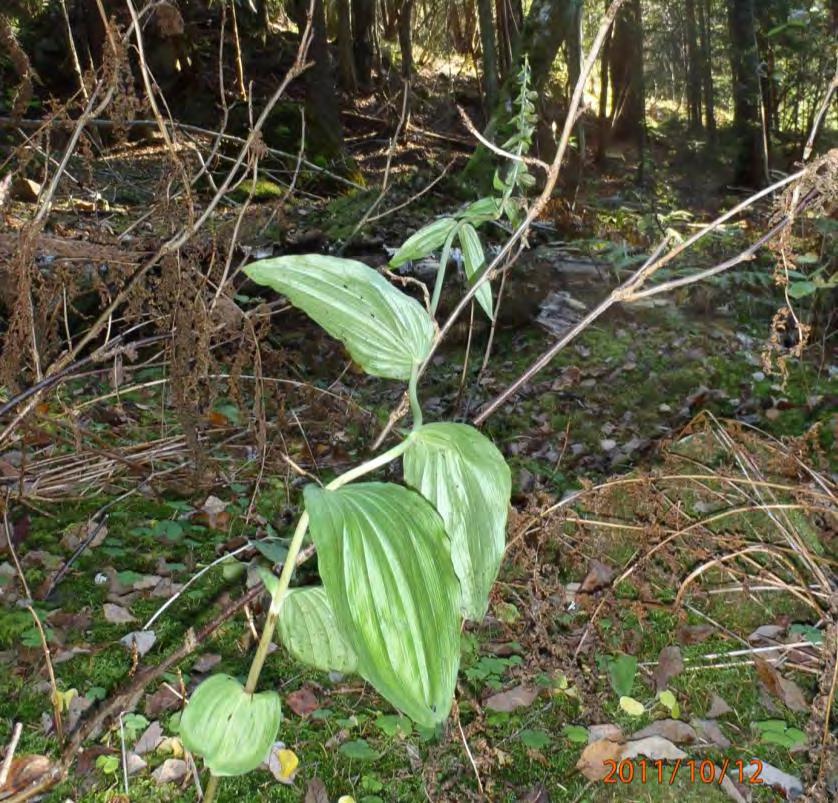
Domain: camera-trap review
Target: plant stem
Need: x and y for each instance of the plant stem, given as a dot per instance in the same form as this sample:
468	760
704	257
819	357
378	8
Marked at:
415	407
212	788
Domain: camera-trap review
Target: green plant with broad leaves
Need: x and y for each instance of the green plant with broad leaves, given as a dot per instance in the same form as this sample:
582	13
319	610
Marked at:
510	185
401	565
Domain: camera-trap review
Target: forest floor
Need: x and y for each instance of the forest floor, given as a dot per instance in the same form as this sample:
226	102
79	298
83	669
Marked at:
673	515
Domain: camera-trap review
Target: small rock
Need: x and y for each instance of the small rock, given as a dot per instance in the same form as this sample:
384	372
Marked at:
116	614
141	640
608	444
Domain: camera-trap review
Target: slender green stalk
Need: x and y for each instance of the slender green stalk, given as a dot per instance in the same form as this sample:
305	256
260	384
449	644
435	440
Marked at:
415	407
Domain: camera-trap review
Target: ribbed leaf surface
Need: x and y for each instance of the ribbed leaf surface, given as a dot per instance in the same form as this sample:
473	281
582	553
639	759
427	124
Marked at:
385	564
231	729
463	475
385	331
309	631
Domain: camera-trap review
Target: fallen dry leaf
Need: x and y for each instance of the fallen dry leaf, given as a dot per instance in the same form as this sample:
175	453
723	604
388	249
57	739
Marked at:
606	731
655	747
669	665
671	729
718	707
302	701
116	614
151	737
140	640
778	686
134	764
599	576
710	731
789	786
592	761
316	792
694	634
170	771
507	701
206	662
163	700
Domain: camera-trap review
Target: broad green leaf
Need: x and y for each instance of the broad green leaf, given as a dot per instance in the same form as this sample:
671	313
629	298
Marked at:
535	739
802	289
385	331
464	476
423	242
359	750
621	672
309	631
634	708
385	562
473	260
575	733
231	729
481	210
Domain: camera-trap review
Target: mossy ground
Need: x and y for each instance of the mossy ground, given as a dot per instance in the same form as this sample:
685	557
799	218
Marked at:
514	752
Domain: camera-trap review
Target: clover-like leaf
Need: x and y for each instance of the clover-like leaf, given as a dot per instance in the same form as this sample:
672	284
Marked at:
385	331
464	476
231	729
385	562
308	629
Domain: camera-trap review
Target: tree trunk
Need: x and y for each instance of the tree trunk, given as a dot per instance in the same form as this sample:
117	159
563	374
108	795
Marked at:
488	53
707	87
603	122
405	41
510	21
363	18
574	64
325	135
626	54
346	58
748	170
693	67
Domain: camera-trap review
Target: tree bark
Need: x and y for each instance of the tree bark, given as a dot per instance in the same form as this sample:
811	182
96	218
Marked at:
626	61
322	109
603	122
405	40
510	21
693	67
488	49
363	18
748	168
707	87
346	59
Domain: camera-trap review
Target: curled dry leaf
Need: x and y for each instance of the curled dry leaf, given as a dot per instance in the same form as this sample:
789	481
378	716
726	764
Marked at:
592	762
778	686
151	738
